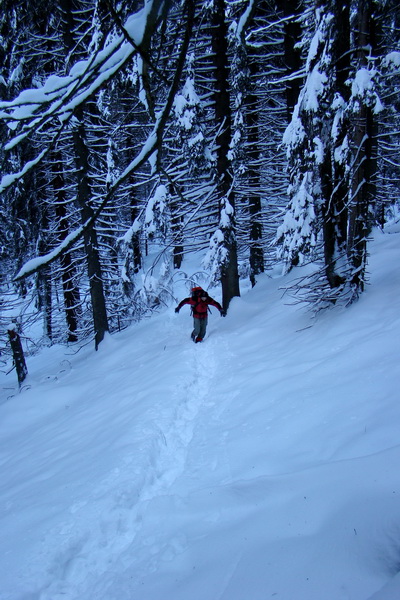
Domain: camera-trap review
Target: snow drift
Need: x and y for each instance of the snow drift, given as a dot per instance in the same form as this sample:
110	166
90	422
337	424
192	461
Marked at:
260	464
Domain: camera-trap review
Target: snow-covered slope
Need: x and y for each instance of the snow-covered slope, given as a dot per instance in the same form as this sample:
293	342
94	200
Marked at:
263	463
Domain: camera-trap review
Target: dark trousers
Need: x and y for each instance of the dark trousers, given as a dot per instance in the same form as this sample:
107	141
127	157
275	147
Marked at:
200	326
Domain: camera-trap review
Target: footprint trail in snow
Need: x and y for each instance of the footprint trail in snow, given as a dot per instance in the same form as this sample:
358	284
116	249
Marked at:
113	522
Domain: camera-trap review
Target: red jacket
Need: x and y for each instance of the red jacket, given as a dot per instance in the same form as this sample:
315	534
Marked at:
199	306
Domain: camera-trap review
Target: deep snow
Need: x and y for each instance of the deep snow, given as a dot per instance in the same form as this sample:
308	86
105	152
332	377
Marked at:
263	463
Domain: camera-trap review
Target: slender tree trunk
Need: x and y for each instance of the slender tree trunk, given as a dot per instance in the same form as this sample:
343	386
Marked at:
83	198
364	161
247	73
133	252
176	230
135	244
43	277
254	203
229	268
334	179
70	289
18	355
44	288
292	51
100	320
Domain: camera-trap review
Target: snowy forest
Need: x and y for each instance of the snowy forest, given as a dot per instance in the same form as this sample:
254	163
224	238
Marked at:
247	133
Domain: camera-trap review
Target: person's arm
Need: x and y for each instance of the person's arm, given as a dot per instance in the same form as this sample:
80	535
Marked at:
217	305
182	302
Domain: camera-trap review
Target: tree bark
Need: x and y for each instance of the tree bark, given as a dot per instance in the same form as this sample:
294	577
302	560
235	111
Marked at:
364	161
18	355
44	278
229	267
70	289
100	320
254	203
292	51
176	230
334	179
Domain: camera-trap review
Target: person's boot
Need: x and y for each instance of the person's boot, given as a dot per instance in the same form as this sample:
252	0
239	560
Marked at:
199	339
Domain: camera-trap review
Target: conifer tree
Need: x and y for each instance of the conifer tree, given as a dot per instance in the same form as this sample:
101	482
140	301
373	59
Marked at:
224	239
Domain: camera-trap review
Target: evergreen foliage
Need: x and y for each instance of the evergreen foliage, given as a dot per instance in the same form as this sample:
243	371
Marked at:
132	138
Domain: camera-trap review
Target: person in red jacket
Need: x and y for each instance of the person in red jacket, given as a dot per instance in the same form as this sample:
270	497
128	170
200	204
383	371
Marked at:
200	301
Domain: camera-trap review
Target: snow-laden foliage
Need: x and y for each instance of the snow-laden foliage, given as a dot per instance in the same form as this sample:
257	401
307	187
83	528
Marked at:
364	90
329	151
156	214
185	104
305	140
192	135
392	61
240	82
217	255
60	95
298	227
114	151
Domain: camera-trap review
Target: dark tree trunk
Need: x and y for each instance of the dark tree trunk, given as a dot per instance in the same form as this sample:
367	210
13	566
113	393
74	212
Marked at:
100	320
229	268
18	355
364	161
70	290
176	230
43	278
83	198
221	96
44	294
335	181
133	254
177	256
256	248
292	51
135	245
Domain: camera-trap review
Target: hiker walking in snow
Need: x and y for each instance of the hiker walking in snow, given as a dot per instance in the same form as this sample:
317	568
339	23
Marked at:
200	301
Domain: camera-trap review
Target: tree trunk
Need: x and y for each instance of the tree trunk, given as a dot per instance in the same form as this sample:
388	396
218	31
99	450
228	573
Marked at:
44	293
364	162
43	277
18	354
135	244
70	290
334	179
292	51
254	203
229	267
176	230
100	320
83	198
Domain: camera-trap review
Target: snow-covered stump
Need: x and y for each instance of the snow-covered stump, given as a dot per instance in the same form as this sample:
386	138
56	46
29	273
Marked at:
18	353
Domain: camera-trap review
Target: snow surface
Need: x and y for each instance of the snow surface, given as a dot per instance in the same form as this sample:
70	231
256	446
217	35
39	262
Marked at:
263	463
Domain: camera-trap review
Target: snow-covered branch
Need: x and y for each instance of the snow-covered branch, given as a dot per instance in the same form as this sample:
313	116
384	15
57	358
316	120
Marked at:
57	99
148	152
